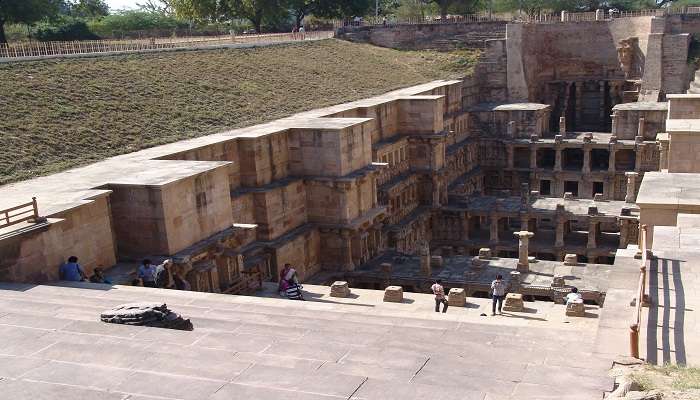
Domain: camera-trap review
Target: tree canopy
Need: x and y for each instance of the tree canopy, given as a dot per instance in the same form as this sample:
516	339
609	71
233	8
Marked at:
25	11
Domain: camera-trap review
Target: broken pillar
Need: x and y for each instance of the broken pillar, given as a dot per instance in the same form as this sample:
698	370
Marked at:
523	243
484	253
393	294
457	297
562	124
513	302
340	289
570	259
558	281
576	309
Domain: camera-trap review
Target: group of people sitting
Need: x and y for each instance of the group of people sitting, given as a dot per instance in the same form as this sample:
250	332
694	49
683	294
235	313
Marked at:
72	271
158	276
289	283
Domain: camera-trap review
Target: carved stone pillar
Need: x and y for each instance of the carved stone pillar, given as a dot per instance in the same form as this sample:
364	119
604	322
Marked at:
510	150
613	127
523	244
630	196
557	159
562	125
611	160
624	234
592	234
465	226
494	228
347	264
641	128
533	158
559	234
586	160
663	150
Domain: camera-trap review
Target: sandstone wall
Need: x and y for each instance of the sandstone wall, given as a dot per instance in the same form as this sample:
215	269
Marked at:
302	251
85	232
425	36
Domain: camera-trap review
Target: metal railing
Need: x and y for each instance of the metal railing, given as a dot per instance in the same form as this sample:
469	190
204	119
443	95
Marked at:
641	296
18	214
45	49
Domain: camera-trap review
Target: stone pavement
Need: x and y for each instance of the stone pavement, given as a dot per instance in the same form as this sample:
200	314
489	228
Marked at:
53	346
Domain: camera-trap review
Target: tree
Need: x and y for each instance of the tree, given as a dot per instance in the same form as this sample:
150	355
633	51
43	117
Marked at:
25	11
459	6
164	7
212	10
89	8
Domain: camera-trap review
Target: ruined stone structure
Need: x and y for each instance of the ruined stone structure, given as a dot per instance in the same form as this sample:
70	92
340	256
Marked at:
537	142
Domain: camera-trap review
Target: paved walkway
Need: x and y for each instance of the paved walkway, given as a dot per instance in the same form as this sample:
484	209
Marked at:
266	348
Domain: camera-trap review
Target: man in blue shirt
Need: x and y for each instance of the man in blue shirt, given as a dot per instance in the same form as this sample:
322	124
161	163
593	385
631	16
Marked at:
147	273
71	271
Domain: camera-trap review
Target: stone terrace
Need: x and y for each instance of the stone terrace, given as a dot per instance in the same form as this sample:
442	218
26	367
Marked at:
248	347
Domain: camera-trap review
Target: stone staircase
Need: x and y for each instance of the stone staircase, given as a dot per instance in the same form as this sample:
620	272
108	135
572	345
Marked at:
53	346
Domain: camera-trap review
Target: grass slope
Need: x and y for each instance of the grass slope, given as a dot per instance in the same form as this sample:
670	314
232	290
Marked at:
59	114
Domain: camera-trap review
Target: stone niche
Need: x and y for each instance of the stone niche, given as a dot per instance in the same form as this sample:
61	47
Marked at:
530	119
165	215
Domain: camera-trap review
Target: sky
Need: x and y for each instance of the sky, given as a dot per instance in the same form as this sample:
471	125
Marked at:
122	4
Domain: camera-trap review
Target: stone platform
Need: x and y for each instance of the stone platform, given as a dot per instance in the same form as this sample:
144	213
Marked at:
459	271
265	348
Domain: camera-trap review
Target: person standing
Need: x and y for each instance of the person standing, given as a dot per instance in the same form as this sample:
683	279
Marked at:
439	293
498	287
147	273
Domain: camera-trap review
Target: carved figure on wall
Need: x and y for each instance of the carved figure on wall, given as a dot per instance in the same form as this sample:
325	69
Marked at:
630	58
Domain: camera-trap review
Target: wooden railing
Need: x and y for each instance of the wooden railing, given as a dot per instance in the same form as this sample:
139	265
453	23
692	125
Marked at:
636	324
17	214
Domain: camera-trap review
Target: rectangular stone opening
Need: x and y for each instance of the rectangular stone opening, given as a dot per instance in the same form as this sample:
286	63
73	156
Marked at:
600	159
546	187
572	159
598	187
571	186
545	158
624	160
521	157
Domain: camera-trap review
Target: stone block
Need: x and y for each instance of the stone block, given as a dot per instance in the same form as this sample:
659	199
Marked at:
513	302
393	294
575	309
598	197
558	281
570	259
340	289
568	196
457	297
484	253
436	261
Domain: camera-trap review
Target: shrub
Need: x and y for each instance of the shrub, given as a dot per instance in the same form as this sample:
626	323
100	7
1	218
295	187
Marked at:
64	29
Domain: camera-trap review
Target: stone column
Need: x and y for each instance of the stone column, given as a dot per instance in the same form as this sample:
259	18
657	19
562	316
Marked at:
425	267
624	233
557	159
559	239
465	226
631	186
523	244
562	125
510	150
663	152
533	158
613	127
611	160
586	160
579	105
510	129
494	228
592	234
348	264
641	128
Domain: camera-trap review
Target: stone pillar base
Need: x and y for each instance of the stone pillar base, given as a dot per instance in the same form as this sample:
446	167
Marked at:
513	302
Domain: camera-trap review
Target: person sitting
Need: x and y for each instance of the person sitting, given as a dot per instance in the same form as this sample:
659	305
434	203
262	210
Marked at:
98	276
572	297
147	273
283	285
180	283
294	291
71	271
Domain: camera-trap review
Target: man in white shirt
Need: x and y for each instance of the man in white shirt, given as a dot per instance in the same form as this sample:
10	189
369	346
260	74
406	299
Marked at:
439	293
573	297
498	287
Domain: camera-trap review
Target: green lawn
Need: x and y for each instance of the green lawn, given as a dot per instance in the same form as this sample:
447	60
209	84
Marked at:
59	114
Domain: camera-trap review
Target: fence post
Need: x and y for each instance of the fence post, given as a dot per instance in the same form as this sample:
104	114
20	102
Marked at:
634	340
